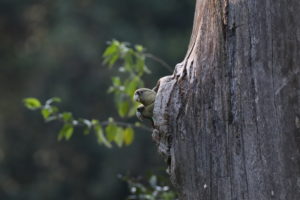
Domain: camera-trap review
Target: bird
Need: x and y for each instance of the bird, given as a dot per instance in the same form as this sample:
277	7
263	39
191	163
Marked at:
145	112
144	96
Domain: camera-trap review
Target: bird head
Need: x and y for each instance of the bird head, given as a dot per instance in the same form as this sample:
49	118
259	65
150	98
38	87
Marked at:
139	112
145	96
136	95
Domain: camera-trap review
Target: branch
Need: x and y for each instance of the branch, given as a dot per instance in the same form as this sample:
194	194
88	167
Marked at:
104	123
160	61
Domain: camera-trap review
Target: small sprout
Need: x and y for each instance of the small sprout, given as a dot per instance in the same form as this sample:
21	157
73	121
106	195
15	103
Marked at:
53	100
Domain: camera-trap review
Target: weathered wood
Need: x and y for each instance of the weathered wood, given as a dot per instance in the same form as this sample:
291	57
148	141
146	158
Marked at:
227	120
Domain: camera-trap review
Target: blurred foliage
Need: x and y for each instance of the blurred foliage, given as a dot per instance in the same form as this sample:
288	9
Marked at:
133	66
155	188
114	132
53	48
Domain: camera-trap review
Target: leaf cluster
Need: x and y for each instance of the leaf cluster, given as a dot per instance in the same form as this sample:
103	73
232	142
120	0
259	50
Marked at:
153	189
131	67
130	62
107	132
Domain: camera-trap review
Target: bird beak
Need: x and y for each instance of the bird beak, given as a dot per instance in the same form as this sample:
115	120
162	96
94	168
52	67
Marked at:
136	97
139	116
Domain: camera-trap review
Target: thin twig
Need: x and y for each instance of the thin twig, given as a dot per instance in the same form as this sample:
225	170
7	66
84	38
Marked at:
78	123
160	61
104	123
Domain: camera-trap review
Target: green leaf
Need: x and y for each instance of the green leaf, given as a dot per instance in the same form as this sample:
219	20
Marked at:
94	122
116	81
128	136
111	49
66	132
168	195
111	131
119	137
32	103
139	48
123	108
67	116
86	131
100	136
128	59
46	113
112	54
131	86
140	64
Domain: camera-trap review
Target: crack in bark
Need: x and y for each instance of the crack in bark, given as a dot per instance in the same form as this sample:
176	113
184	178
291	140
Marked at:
273	88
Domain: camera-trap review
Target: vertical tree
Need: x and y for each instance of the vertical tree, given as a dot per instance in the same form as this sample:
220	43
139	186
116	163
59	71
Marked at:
228	119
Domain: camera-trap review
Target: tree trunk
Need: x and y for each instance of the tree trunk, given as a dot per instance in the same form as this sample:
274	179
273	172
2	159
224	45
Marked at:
228	119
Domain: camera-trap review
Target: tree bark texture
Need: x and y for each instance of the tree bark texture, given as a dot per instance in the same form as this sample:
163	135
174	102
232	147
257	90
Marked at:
228	119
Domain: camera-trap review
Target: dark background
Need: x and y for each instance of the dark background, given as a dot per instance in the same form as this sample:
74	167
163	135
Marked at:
53	48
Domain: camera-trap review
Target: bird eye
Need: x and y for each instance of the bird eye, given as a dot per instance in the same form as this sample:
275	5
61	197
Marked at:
140	109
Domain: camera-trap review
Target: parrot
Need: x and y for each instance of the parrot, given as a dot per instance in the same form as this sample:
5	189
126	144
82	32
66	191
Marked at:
145	112
145	96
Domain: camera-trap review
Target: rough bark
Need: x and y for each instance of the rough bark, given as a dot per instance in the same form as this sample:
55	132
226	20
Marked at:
227	120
